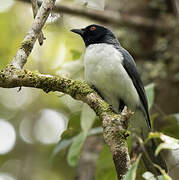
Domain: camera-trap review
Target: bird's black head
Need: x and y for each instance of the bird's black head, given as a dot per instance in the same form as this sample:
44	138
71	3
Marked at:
95	34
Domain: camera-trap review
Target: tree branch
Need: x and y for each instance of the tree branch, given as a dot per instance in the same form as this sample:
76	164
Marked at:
35	8
27	44
114	125
115	18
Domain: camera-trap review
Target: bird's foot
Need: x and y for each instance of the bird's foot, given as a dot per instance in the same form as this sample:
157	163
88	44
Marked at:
112	108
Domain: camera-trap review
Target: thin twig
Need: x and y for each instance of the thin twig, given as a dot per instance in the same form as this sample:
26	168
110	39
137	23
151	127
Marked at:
114	18
26	47
35	10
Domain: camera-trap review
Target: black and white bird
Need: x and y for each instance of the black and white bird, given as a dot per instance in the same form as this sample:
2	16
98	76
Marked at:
112	71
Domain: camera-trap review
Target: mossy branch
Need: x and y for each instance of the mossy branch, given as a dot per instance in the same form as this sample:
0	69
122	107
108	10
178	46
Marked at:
114	125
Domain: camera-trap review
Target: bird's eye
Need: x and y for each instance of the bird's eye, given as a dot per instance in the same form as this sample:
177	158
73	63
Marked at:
92	28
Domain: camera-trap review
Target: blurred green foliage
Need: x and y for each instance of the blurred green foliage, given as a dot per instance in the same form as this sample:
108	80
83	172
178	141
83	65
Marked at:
131	174
105	166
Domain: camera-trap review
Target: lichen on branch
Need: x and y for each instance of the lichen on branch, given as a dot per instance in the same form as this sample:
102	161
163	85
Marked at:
11	77
114	125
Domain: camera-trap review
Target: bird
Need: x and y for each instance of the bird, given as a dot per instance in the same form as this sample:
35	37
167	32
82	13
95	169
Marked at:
112	72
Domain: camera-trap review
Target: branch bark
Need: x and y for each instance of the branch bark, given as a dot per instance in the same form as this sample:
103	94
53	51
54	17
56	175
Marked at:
27	44
114	125
35	8
115	18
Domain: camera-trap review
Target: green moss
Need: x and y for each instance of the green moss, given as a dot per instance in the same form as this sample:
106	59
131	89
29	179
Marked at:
77	89
102	108
27	46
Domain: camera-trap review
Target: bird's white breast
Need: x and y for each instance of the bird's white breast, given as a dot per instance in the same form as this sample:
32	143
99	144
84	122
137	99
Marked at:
104	70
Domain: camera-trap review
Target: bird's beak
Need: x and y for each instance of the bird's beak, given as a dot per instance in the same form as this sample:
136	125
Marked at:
78	31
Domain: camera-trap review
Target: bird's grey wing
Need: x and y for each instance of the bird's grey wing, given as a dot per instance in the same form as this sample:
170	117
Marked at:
132	71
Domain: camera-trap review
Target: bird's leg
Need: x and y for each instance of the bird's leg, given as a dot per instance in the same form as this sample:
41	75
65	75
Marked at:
121	105
112	108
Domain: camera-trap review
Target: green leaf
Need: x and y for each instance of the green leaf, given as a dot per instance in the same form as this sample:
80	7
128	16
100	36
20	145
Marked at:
87	118
73	128
168	142
172	125
75	149
67	142
105	168
171	130
61	145
165	175
153	117
131	174
150	94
